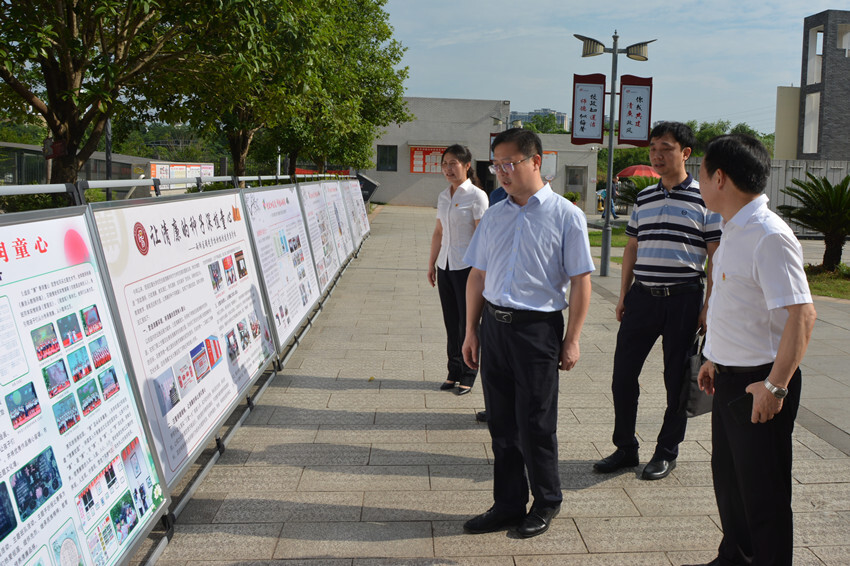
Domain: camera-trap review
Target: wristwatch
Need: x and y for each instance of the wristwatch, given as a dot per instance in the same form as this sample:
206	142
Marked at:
778	392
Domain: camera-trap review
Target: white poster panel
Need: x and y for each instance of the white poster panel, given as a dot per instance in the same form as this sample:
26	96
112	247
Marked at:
284	255
77	479
588	120
320	232
356	209
339	219
634	105
186	286
549	165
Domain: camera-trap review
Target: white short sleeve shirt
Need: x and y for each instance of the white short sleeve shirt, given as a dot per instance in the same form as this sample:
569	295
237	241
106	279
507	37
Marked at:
757	271
457	215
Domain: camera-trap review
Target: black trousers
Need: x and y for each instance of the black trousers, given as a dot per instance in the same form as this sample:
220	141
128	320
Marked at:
751	467
646	317
519	370
452	287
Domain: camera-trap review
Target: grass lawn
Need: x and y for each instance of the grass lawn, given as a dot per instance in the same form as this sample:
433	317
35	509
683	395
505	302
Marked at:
618	237
835	284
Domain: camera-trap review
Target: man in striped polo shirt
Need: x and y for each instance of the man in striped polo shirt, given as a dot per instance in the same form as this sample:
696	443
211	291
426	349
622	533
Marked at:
671	233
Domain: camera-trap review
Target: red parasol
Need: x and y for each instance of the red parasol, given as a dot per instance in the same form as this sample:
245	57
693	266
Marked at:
638	171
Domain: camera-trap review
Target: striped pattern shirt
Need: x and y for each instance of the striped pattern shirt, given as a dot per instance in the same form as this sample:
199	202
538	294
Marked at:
672	229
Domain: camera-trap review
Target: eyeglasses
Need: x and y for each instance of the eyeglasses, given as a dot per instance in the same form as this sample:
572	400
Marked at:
506	167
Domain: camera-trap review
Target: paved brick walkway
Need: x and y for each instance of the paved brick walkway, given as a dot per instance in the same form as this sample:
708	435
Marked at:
353	457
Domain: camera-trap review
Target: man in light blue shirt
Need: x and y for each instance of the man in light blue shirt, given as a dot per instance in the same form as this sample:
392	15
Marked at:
527	252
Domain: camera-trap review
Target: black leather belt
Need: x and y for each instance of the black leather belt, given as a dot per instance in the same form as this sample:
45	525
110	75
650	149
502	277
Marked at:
514	316
720	368
668	290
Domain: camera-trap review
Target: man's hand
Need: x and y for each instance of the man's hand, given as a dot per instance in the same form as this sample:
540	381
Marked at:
620	309
432	275
470	349
765	405
706	378
570	354
702	325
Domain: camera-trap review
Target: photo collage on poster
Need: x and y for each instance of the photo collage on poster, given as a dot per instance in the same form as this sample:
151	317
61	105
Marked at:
61	409
283	251
73	353
320	229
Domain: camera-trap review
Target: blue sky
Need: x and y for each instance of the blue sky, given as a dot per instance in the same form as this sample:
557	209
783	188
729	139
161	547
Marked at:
712	59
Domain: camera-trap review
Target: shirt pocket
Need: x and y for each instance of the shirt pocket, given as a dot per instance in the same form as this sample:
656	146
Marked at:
463	225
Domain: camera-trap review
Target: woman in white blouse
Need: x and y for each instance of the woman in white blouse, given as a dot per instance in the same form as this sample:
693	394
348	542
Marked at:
459	209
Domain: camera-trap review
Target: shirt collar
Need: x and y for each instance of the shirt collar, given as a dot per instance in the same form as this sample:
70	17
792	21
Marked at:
465	186
683	185
746	212
541	196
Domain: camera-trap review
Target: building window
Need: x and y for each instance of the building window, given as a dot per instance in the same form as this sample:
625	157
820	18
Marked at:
387	158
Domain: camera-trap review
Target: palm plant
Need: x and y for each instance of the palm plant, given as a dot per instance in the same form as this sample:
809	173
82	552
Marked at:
824	208
629	189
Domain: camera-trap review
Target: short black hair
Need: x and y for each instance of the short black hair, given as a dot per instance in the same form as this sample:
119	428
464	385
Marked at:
743	158
526	141
682	133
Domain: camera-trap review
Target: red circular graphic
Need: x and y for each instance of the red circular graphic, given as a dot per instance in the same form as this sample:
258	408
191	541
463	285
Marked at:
141	238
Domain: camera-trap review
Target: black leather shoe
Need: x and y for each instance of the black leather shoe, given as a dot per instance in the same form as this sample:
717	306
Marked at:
446	385
481	416
658	469
463	390
492	520
618	460
537	521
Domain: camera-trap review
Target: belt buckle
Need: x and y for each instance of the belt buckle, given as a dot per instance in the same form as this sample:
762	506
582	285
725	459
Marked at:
659	291
502	316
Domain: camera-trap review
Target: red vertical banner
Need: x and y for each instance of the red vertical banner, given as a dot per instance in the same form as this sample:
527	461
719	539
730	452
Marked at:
635	105
588	108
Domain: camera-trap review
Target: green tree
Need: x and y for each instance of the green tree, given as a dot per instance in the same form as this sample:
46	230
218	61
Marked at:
824	208
72	62
544	124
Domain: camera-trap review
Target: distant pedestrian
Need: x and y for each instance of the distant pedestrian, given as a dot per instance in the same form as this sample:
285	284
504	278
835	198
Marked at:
615	184
459	210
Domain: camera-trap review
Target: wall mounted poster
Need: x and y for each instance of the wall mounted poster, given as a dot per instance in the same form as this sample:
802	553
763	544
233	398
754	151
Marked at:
186	287
320	232
284	256
340	221
356	209
63	425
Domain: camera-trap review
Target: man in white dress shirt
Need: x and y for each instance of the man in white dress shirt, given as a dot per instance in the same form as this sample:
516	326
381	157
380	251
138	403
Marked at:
760	320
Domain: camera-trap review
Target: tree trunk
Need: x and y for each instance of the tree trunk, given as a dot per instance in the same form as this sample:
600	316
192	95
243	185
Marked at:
293	162
833	244
239	142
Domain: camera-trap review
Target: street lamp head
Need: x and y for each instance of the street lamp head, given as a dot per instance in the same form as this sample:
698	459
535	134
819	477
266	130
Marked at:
638	51
590	46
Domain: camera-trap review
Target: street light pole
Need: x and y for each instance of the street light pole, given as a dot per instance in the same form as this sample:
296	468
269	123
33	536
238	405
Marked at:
636	51
605	260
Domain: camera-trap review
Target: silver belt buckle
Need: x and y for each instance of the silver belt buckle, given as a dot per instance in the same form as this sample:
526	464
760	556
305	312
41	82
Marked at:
502	316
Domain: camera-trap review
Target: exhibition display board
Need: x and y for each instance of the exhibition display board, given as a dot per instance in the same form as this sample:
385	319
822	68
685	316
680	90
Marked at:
340	220
78	483
188	295
321	233
283	251
356	209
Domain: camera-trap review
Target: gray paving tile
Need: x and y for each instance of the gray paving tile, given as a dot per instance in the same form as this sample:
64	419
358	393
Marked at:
364	478
277	507
607	559
201	509
293	454
217	542
340	540
233	479
427	454
368	434
824	471
647	534
833	555
821	497
424	505
448	561
820	529
673	501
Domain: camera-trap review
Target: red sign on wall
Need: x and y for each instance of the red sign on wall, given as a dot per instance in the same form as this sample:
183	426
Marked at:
426	159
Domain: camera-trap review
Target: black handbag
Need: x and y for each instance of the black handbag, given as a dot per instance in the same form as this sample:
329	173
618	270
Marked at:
694	402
